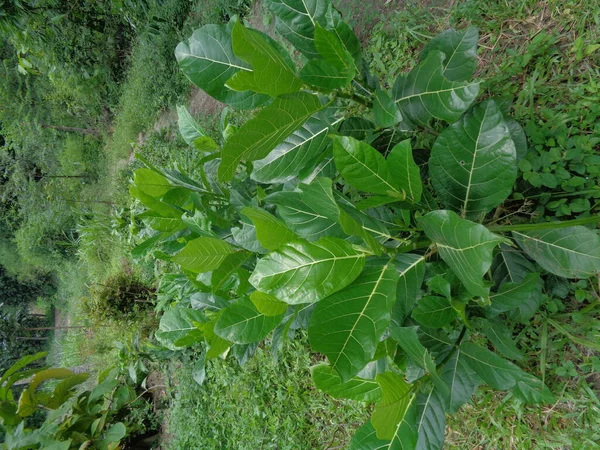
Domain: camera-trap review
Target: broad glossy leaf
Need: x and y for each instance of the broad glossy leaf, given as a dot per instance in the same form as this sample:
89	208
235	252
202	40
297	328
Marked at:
207	301
270	231
346	36
460	49
327	380
407	339
411	270
310	211
216	344
385	110
324	75
364	168
501	337
425	93
572	252
473	162
465	246
348	325
267	304
246	238
207	59
510	265
203	254
190	130
405	170
461	380
296	21
257	137
366	439
241	323
305	272
230	265
177	329
21	363
491	368
513	295
354	223
151	182
396	399
532	391
273	72
295	152
431	421
156	206
434	312
518	136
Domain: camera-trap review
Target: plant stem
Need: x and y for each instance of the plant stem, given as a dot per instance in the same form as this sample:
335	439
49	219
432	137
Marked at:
423	243
546	225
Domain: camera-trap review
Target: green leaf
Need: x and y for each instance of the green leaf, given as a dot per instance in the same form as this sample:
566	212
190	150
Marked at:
176	328
396	399
572	252
115	433
230	265
434	312
406	172
270	231
257	137
48	374
64	390
425	93
473	162
190	130
491	368
328	381
460	50
296	21
322	74
267	304
532	391
364	168
23	362
461	380
465	246
366	439
207	59
510	265
356	224
513	295
310	211
501	337
348	325
151	182
385	110
241	323
518	136
408	340
203	254
273	71
217	345
156	206
304	272
295	152
411	270
431	421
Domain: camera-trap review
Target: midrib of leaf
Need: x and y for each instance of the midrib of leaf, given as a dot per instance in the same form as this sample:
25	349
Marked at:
421	94
455	51
214	61
549	244
362	313
402	421
316	262
466	200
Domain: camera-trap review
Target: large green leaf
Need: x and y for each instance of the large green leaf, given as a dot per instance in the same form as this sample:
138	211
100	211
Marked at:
364	168
396	399
385	110
207	59
473	163
257	137
294	153
322	74
305	272
230	266
431	421
151	182
406	172
434	312
267	304
203	254
270	231
24	361
177	329
572	252
491	368
310	211
411	270
348	325
510	265
327	380
273	71
191	132
460	49
296	21
241	323
516	294
407	339
425	92
461	380
366	439
501	337
465	246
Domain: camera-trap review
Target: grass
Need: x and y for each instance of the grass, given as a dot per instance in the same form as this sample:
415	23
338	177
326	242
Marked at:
264	404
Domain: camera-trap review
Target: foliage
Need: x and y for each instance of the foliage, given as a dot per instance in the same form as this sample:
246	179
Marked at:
351	243
91	418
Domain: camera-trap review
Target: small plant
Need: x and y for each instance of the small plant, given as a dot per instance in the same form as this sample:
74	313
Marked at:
372	217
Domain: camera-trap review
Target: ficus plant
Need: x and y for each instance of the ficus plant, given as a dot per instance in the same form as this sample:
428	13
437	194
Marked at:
372	217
